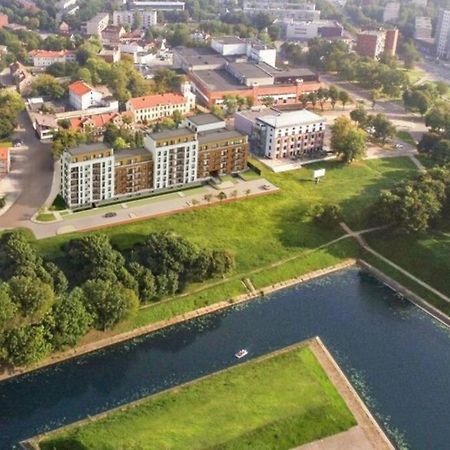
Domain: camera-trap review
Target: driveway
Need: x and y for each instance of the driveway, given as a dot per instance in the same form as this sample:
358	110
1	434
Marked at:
31	179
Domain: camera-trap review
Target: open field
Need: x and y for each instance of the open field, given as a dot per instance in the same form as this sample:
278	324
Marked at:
278	403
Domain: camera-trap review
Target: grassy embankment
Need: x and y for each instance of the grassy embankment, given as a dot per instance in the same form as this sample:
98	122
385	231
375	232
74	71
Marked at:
262	232
277	403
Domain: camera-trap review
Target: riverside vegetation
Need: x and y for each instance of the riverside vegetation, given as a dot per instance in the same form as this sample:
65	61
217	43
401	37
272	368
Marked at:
45	306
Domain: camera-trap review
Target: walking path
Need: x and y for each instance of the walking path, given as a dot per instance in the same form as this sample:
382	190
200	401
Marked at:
418	164
357	235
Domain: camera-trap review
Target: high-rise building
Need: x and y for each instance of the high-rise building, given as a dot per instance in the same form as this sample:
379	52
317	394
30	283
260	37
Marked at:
373	43
442	36
147	18
87	175
423	28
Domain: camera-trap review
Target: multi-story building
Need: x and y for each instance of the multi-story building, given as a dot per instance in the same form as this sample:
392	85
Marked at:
147	18
442	35
156	5
82	96
391	12
280	135
282	9
175	155
5	160
111	35
133	171
87	175
306	30
97	24
3	20
202	148
373	43
45	58
153	107
96	123
423	28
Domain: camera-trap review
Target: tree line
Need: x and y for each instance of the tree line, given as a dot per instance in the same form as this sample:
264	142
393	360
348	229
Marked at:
47	306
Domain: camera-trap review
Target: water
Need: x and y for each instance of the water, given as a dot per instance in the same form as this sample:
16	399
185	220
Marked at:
397	357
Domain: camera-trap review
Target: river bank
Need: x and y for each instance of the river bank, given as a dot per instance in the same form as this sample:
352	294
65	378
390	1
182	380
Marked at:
372	435
116	339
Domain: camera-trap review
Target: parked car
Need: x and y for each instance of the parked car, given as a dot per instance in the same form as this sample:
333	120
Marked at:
398	145
110	214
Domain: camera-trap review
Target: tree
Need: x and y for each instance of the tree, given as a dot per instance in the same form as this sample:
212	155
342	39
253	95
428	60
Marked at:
312	98
33	296
207	197
322	96
359	115
327	215
120	143
221	196
268	101
347	140
344	98
410	55
8	308
374	95
109	302
438	119
333	93
146	282
65	139
25	345
68	320
383	128
59	280
49	86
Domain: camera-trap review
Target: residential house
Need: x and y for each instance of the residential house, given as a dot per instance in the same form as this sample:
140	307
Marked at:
45	58
82	96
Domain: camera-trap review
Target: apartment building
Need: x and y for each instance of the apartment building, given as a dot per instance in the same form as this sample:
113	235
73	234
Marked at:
175	157
97	24
45	58
282	9
373	43
391	12
288	134
133	171
423	28
82	96
87	175
156	5
306	30
112	34
442	36
147	18
154	107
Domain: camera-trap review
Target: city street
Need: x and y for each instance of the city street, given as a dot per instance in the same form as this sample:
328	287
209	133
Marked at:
30	182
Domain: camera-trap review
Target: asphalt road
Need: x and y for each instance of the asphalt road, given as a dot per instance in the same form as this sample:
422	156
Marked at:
33	179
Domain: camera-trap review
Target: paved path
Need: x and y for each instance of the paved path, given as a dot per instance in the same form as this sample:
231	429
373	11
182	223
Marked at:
126	212
30	182
357	235
418	164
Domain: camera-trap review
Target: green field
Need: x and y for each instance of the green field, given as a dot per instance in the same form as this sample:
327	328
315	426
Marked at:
405	136
275	403
45	217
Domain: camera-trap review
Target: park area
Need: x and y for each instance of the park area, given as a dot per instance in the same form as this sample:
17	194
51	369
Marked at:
277	402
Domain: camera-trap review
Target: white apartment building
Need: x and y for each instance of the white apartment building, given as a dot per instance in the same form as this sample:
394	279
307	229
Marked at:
289	134
391	12
442	36
153	107
87	175
97	24
45	58
82	96
282	9
162	5
148	18
175	157
423	28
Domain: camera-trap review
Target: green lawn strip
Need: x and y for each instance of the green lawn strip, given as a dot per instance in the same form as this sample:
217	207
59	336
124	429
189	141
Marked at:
405	136
407	282
268	228
426	160
426	256
276	403
250	175
93	212
45	217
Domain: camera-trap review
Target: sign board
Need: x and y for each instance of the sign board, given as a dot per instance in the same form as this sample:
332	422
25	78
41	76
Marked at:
319	173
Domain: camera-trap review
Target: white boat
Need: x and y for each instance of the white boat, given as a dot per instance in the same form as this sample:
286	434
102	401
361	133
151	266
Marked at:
241	353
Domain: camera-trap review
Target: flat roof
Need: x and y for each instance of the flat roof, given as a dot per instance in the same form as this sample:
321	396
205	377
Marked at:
205	119
229	40
200	56
286	119
88	148
129	152
249	70
297	72
219	80
166	134
218	135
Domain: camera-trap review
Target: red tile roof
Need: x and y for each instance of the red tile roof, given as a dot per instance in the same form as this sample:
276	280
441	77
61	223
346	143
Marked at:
50	53
80	88
150	101
98	120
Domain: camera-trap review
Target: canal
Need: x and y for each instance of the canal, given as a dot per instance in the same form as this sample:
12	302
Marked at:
396	355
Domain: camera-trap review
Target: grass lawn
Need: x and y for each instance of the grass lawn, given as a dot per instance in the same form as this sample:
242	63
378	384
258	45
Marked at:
406	137
426	256
276	403
249	175
45	217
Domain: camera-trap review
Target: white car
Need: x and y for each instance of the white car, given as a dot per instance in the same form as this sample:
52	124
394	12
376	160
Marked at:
398	145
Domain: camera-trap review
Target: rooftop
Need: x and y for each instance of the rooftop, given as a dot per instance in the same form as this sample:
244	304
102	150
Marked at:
219	80
204	119
229	40
166	134
130	152
200	56
286	119
149	101
249	70
80	88
218	135
88	148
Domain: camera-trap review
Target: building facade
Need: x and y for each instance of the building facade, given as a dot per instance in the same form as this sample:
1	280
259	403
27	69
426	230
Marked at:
372	44
148	18
97	24
282	9
87	175
133	171
391	12
442	36
82	96
290	135
423	28
45	58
